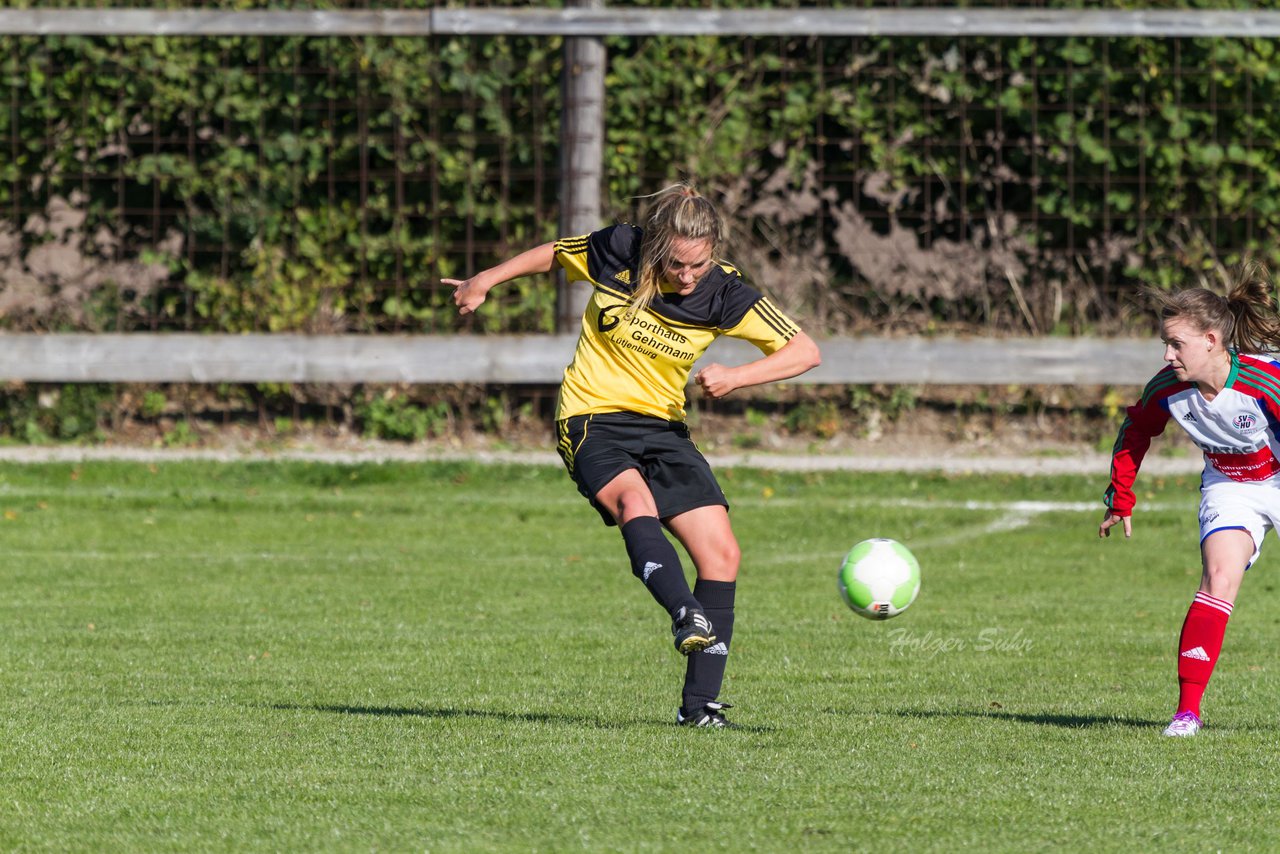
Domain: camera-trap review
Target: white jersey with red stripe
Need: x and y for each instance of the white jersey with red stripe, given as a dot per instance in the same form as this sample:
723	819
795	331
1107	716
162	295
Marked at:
1237	431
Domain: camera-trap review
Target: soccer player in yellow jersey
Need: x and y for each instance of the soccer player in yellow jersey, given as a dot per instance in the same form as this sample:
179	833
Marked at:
660	297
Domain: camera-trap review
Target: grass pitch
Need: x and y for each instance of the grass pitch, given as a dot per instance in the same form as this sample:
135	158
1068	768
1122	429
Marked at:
447	657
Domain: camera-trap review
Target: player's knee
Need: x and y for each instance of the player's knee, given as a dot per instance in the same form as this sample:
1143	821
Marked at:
732	555
632	504
725	558
1222	579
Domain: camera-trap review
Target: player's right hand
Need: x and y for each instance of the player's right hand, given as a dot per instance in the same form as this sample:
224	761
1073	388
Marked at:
467	295
1110	520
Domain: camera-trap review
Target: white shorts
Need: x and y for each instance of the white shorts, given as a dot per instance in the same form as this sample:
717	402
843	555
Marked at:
1251	507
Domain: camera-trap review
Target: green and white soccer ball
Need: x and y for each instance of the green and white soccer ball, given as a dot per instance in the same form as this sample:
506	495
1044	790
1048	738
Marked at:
879	578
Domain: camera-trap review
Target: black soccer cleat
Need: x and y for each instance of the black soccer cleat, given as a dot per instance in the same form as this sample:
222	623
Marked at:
692	630
710	715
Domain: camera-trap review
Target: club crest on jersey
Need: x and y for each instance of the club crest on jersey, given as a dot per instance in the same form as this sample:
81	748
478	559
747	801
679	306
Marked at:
606	320
1244	422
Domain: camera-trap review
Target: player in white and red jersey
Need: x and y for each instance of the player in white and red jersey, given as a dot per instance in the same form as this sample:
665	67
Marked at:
1229	404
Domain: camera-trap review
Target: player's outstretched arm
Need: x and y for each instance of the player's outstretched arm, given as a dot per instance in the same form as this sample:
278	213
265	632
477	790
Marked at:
469	293
1110	520
798	355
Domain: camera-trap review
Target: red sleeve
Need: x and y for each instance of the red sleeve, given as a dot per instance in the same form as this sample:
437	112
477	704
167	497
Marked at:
1143	421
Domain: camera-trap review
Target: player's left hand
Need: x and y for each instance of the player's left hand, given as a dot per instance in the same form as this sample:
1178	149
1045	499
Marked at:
716	380
1109	520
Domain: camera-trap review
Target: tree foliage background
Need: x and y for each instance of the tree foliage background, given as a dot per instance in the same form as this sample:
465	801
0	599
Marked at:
1012	185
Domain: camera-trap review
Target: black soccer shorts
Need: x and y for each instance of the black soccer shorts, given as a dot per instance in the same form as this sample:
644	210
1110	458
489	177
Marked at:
598	448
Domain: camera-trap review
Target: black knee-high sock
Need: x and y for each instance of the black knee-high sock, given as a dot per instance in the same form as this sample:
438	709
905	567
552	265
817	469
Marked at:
704	671
655	562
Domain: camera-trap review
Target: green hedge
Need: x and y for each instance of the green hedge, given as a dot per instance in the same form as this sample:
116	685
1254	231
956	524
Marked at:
232	184
259	154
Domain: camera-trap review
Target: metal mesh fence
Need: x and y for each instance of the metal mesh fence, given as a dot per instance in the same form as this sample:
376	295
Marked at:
274	159
329	184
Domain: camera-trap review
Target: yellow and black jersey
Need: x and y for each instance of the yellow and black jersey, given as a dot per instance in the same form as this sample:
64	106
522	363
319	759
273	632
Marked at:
642	364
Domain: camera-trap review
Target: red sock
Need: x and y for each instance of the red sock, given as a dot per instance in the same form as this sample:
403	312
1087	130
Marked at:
1198	648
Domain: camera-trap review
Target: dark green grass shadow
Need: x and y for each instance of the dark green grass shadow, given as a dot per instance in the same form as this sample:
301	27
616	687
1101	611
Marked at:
489	714
1086	721
1055	719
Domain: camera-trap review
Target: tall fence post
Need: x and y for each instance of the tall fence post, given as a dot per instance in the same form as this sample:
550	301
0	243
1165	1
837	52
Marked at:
581	154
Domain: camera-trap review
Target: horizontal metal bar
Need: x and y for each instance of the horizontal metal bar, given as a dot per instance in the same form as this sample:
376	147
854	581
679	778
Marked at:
210	22
534	359
1176	23
861	22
